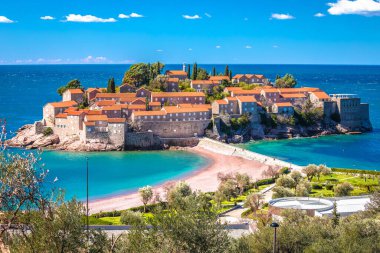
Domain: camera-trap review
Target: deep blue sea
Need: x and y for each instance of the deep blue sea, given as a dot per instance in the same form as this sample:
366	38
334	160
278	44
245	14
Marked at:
25	89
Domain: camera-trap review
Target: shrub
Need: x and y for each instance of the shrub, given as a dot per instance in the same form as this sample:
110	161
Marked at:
265	181
48	131
343	189
330	187
281	192
131	218
284	170
317	186
286	181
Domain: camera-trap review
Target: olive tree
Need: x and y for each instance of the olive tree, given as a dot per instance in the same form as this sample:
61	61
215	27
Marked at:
146	194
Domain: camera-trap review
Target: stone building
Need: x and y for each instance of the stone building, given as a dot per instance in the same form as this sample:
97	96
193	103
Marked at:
91	93
172	84
219	79
76	95
180	74
50	110
250	79
174	98
127	88
285	108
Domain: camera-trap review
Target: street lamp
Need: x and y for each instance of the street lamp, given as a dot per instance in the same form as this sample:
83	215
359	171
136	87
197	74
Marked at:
275	226
87	211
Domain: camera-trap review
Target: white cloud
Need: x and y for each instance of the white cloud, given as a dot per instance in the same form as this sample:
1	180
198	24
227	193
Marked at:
319	15
282	16
48	61
245	19
275	46
121	15
25	61
4	19
358	7
190	49
248	47
135	15
191	17
88	19
159	50
218	46
98	59
47	18
208	15
132	15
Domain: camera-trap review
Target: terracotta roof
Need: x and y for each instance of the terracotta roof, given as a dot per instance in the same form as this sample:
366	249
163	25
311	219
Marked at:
237	76
173	79
233	88
63	104
284	104
154	103
231	98
219	78
138	101
75	91
93	89
321	95
246	99
105	103
221	102
61	116
94	112
75	113
149	113
137	107
248	92
116	120
92	123
101	117
70	109
297	90
207	106
270	90
127	100
293	95
178	94
127	84
112	108
176	72
202	82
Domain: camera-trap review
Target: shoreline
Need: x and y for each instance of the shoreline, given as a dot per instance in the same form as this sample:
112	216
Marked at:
203	179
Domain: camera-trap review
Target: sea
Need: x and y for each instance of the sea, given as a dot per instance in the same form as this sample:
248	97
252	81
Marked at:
25	89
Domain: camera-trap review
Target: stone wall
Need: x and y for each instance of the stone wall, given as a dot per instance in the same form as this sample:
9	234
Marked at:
142	141
176	129
180	142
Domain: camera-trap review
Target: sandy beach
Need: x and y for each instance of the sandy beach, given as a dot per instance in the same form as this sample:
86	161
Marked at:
204	179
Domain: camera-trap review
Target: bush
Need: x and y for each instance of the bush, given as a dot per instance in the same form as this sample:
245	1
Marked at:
281	192
317	186
330	187
286	181
48	131
284	170
332	180
265	181
131	218
343	189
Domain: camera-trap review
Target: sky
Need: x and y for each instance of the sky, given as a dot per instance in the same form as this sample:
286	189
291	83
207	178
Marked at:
177	31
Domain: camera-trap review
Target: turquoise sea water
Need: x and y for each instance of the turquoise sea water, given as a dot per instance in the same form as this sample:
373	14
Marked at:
25	89
116	172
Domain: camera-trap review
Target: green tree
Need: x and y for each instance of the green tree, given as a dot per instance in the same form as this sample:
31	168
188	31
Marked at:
227	71
335	215
230	74
73	84
281	192
286	181
374	205
195	71
202	74
132	218
146	194
138	74
213	71
287	81
307	114
310	171
242	181
254	201
111	88
188	71
322	170
228	189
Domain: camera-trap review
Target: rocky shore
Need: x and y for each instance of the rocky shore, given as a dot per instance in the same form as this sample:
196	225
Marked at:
28	139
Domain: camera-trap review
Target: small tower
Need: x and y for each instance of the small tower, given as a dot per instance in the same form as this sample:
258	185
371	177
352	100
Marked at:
184	67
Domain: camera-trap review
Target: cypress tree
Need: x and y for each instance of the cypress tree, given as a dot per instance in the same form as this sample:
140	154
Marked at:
213	71
195	71
188	71
227	71
113	86
230	74
109	86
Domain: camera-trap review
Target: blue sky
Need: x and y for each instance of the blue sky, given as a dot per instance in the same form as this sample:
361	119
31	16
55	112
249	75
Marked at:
205	31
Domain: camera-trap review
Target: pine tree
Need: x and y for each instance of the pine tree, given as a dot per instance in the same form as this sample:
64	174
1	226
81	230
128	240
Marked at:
335	216
227	71
188	71
195	71
213	71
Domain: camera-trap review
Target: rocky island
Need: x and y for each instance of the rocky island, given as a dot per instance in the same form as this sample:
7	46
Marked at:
157	111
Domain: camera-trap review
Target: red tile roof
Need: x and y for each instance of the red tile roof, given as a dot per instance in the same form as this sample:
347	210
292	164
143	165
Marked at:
149	113
97	117
293	95
173	79
176	72
221	102
321	95
284	104
219	78
203	82
75	91
61	116
63	104
105	103
246	99
116	120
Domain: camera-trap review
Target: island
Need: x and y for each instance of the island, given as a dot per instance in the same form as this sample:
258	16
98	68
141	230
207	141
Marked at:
150	110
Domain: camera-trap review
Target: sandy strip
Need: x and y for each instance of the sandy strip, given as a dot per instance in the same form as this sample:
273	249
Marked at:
204	179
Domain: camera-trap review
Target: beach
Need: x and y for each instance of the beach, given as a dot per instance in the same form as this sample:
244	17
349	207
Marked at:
222	159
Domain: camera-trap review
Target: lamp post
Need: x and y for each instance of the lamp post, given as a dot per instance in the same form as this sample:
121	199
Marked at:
275	226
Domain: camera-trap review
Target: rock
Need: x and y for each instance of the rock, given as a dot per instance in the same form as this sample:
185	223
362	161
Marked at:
45	141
